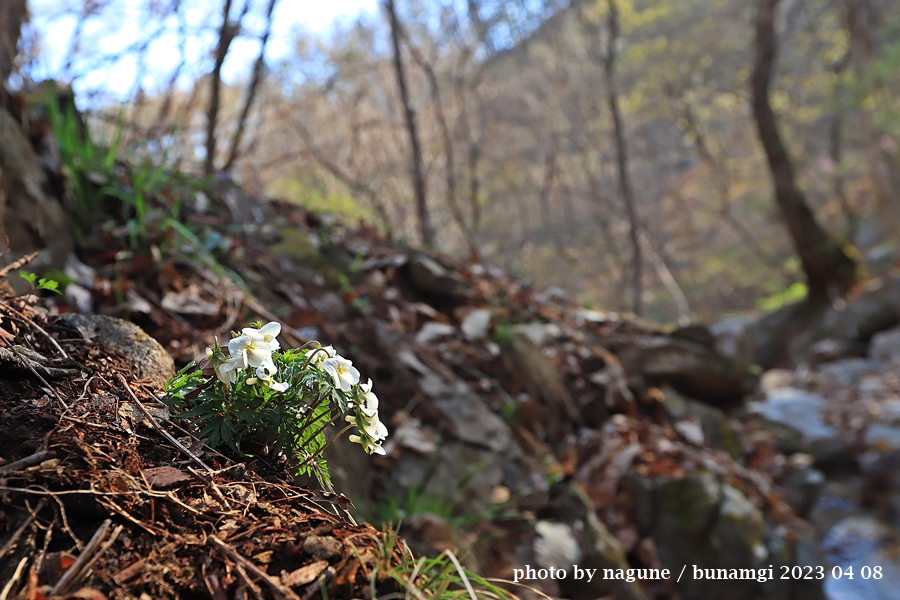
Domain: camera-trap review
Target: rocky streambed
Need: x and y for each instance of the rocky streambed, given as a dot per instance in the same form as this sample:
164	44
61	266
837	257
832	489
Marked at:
845	414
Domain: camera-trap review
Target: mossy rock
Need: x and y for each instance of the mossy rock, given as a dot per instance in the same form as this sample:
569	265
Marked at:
147	356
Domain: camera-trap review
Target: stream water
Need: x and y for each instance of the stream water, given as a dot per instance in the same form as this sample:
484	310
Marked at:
861	545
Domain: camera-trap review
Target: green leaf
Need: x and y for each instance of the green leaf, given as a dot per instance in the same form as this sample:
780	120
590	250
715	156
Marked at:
49	284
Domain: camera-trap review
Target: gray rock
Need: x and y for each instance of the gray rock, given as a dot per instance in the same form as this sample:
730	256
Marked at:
690	368
830	350
716	429
885	346
882	437
785	439
876	309
849	371
687	506
430	277
802	411
147	356
475	324
457	474
555	545
640	491
801	489
598	548
727	334
702	521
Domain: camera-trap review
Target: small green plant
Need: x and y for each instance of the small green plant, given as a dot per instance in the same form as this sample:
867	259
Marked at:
42	283
439	577
394	510
88	166
288	417
795	293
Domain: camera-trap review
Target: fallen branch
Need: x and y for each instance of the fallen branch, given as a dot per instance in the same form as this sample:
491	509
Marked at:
129	572
279	590
27	363
84	559
14	266
34	459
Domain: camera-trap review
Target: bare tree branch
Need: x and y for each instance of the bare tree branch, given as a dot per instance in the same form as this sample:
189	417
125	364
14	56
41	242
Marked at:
255	79
426	232
227	33
450	170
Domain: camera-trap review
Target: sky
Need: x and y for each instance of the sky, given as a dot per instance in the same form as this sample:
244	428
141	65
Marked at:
126	21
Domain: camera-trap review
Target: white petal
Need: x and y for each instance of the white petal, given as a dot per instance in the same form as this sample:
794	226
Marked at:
238	344
370	408
266	370
258	353
376	429
270	331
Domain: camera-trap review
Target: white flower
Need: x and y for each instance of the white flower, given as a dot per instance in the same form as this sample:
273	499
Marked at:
269	332
368	445
265	372
370	402
342	371
375	429
227	370
321	354
251	348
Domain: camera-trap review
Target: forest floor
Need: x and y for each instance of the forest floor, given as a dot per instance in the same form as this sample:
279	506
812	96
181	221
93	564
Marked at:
84	464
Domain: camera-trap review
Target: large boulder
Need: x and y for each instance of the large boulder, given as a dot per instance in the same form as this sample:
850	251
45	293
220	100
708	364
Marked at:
693	369
705	524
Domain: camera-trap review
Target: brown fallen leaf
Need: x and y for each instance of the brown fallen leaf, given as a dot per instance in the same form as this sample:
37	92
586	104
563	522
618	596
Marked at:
165	477
304	575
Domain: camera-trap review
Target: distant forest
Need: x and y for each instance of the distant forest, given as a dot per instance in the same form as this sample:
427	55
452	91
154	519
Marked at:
678	159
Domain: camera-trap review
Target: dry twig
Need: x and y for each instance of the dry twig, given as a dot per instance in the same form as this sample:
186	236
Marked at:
18	533
156	426
279	590
34	459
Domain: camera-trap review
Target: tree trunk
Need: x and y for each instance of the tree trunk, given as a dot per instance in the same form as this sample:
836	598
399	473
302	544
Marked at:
12	14
637	260
828	268
426	231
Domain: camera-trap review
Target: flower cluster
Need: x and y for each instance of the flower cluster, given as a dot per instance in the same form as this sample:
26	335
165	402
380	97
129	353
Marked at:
252	349
346	378
371	430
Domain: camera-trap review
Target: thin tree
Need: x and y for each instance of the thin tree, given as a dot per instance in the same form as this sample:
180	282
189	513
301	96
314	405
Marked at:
426	232
828	268
255	79
612	100
227	33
